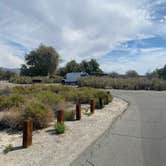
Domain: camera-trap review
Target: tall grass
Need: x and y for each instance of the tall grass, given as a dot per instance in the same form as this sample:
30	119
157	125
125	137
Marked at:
138	83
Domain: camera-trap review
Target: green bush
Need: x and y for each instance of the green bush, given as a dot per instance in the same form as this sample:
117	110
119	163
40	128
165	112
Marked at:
69	115
40	114
60	127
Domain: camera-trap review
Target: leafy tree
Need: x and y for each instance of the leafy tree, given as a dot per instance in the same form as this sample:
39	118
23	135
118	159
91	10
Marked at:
91	67
131	73
162	72
158	73
71	66
42	61
151	75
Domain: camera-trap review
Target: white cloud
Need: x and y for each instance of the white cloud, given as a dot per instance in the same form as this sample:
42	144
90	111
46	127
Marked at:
148	60
8	58
78	29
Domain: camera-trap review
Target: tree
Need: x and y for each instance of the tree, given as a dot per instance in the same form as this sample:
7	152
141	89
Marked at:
71	66
131	73
162	72
91	67
158	73
42	61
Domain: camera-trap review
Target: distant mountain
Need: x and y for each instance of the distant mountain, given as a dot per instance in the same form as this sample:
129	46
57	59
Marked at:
14	70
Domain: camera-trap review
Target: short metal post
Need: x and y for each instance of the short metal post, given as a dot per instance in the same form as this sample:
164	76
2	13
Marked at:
78	111
60	116
27	133
92	106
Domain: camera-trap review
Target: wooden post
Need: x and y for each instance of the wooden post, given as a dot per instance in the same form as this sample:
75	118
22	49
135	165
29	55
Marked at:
27	133
78	111
30	132
100	102
92	106
60	116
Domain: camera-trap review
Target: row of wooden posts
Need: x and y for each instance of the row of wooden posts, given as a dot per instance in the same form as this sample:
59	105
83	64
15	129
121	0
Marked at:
28	124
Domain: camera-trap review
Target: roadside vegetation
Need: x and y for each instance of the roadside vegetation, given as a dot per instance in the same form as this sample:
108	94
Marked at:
155	80
41	66
138	83
41	103
37	79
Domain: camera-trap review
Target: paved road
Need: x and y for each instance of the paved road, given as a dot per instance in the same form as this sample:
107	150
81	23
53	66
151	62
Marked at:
138	138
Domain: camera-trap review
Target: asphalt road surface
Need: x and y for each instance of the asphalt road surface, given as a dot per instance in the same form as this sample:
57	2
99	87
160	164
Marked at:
138	138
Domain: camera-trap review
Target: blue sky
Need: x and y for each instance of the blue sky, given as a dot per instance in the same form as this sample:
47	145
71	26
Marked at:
121	35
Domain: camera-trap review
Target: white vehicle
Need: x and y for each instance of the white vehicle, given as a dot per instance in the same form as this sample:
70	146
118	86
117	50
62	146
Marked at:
72	78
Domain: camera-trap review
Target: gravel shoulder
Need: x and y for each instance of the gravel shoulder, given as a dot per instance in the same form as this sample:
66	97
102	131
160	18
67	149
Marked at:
60	150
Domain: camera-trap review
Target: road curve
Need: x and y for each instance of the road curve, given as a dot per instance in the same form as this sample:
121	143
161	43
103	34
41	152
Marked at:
138	138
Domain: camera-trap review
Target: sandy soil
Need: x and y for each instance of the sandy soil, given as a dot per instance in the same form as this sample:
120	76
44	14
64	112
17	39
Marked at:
60	150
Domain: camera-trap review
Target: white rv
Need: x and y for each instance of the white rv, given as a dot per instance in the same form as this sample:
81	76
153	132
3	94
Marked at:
72	78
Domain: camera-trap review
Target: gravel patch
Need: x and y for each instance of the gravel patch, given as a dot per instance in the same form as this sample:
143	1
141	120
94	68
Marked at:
60	150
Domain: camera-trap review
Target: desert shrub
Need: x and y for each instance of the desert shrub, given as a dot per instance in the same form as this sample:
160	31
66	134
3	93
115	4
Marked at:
40	114
11	119
137	83
43	79
4	102
7	102
21	80
60	127
39	102
57	79
158	84
69	115
16	100
30	80
93	81
49	98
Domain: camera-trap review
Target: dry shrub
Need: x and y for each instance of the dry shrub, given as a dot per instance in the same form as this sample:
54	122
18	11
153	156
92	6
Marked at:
41	115
11	119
